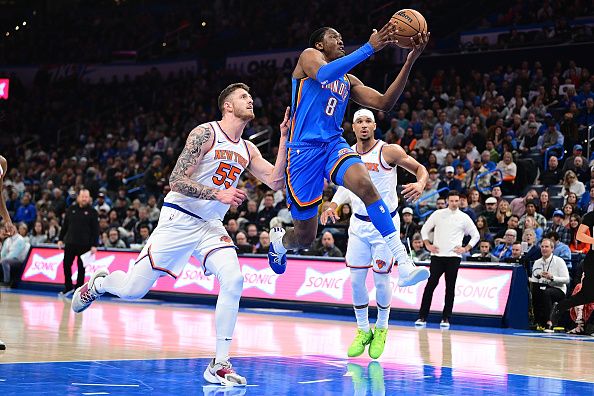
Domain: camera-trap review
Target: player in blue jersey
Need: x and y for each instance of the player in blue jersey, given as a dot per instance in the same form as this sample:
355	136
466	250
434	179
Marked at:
316	149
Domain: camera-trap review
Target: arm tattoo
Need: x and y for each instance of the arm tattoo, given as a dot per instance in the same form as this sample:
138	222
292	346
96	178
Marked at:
179	180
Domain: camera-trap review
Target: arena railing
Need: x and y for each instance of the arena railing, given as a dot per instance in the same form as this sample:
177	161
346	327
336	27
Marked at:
424	198
487	190
555	148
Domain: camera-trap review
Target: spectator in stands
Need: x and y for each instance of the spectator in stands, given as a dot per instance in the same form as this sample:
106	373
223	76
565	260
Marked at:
154	179
465	208
491	211
512	224
516	255
484	253
232	228
509	170
449	181
419	253
568	210
529	143
13	253
153	211
544	205
263	243
26	213
502	215
586	117
487	162
471	176
504	249
581	169
557	226
559	248
570	161
143	235
24	231
101	205
548	284
440	203
38	235
518	205
551	136
553	174
408	227
251	214
455	139
474	198
572	184
344	212
575	245
587	201
530	247
268	212
327	248
252	234
113	240
531	223
440	153
242	243
531	211
572	200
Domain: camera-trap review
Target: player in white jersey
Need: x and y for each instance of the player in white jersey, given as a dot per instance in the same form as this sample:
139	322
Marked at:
8	226
203	186
366	248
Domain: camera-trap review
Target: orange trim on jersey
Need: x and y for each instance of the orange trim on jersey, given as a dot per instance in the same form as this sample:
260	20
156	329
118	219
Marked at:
299	92
339	162
227	136
212	251
248	153
292	192
381	162
150	256
372	147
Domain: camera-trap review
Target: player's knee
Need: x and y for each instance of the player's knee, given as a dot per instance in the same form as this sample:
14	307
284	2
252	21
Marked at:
382	283
233	284
363	187
134	293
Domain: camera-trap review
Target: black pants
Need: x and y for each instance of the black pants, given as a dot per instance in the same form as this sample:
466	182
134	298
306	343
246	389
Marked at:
439	266
542	301
70	252
586	295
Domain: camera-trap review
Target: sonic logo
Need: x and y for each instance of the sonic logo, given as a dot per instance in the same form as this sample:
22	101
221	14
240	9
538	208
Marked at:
47	267
331	284
192	274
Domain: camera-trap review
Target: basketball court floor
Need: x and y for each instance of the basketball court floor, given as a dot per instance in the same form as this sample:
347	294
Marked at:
150	347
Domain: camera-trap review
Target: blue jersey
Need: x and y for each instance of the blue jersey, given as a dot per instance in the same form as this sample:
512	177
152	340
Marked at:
317	110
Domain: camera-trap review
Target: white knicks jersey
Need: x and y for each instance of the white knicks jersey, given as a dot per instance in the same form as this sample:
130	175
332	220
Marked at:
383	176
220	168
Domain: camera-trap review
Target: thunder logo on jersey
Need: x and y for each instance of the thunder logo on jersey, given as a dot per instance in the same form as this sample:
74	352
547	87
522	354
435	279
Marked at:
318	109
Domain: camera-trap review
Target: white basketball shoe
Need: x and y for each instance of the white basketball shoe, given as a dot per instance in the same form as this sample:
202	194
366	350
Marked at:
223	373
86	294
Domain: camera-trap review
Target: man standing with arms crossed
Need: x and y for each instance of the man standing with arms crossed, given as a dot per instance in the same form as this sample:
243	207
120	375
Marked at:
450	225
8	226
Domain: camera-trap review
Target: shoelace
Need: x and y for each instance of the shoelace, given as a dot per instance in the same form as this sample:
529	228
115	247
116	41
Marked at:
276	257
88	297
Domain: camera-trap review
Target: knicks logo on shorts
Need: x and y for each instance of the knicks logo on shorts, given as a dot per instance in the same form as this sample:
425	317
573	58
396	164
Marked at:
380	263
344	151
226	239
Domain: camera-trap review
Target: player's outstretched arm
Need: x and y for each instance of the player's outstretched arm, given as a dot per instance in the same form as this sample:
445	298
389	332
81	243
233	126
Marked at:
200	139
369	97
314	65
395	155
341	196
273	176
8	226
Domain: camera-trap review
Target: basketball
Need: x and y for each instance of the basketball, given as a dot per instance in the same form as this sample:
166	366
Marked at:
409	23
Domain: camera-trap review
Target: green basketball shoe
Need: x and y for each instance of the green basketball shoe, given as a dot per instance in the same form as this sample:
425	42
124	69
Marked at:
362	339
376	348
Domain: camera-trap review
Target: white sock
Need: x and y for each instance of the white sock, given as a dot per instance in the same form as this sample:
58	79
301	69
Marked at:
383	314
395	245
362	315
278	246
222	351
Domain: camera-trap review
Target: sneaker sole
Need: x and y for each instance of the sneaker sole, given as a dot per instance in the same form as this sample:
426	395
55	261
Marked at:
213	379
419	276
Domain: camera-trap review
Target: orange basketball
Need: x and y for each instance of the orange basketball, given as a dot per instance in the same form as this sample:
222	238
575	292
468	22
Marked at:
409	23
